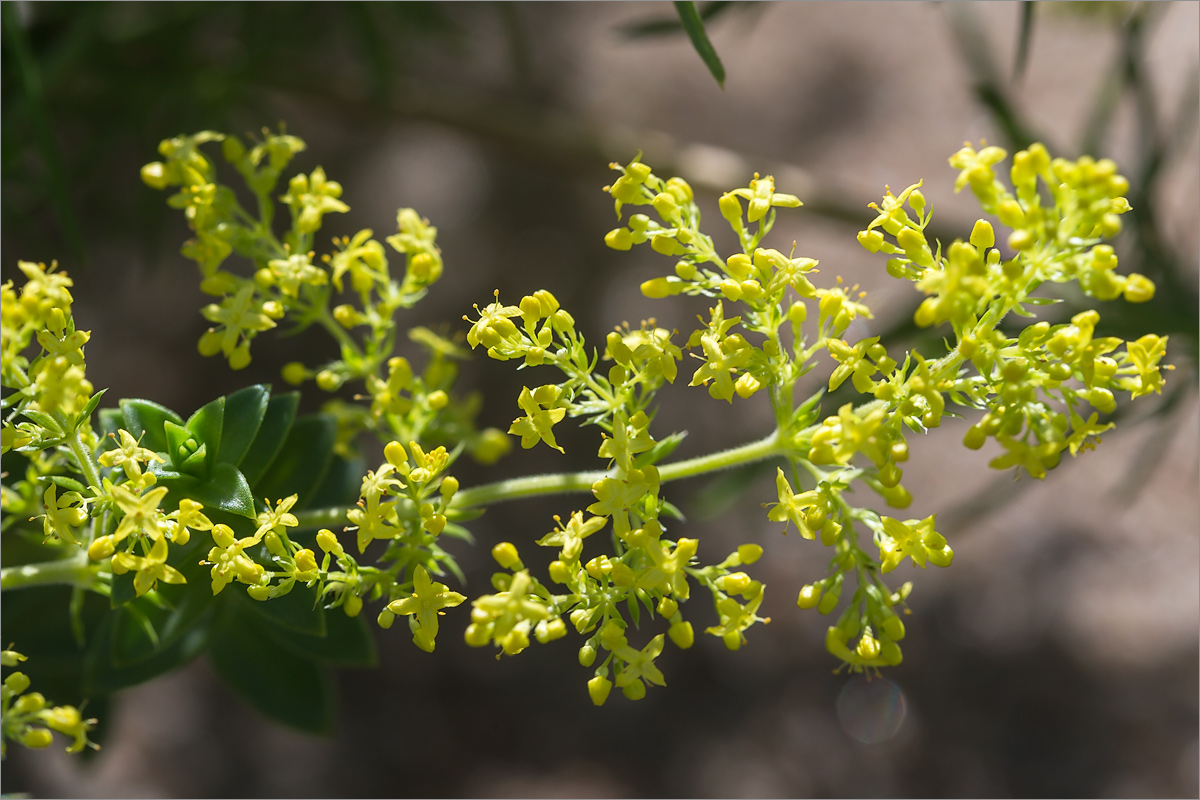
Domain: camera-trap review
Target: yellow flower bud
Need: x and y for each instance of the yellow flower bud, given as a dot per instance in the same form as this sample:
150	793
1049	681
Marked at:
599	688
982	235
619	239
395	455
587	655
154	175
506	555
39	737
1138	288
731	208
749	553
810	595
682	634
329	380
747	385
550	629
868	647
386	618
353	605
101	548
294	373
634	691
259	593
656	288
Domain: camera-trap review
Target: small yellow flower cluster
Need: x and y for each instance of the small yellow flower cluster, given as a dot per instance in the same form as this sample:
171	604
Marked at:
27	717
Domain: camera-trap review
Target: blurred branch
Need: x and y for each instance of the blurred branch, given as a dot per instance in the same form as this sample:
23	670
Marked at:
1024	36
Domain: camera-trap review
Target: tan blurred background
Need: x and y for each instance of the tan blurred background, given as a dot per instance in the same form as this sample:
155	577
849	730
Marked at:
1057	657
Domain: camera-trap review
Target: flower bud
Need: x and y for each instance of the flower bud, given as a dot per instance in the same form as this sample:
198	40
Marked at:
328	380
749	553
667	607
587	655
386	618
656	288
619	239
982	235
731	208
682	634
17	682
395	455
810	595
294	373
1138	288
599	688
550	629
560	573
154	175
634	691
101	548
259	593
506	556
38	737
353	605
871	240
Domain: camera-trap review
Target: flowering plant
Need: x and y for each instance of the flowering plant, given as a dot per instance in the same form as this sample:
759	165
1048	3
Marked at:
139	538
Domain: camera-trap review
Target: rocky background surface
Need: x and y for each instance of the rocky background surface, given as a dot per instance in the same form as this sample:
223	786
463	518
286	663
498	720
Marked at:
1057	657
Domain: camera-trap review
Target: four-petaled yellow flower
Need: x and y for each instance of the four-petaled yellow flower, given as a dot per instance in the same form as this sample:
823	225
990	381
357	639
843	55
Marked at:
425	604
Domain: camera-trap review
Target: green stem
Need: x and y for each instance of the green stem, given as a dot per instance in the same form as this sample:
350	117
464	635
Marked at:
321	517
562	483
77	572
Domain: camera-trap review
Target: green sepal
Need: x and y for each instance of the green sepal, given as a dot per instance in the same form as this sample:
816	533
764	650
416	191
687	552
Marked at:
144	421
276	422
244	412
286	687
672	511
302	461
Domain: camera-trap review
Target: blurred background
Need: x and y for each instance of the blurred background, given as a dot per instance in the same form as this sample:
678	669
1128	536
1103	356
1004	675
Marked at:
1057	657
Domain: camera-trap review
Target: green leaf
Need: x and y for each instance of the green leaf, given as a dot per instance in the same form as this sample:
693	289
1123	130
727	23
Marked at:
302	461
206	423
694	26
225	489
87	410
102	676
340	485
347	642
144	421
286	687
180	607
296	611
660	450
45	420
244	412
111	420
70	484
277	421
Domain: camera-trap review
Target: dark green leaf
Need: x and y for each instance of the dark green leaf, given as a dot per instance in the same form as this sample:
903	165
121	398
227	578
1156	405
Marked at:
225	489
288	688
181	607
302	461
340	484
144	421
296	611
694	26
281	412
244	412
111	420
104	677
347	642
206	426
